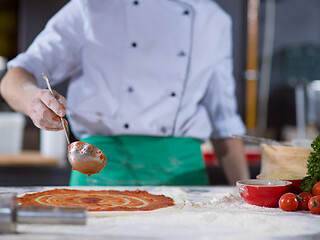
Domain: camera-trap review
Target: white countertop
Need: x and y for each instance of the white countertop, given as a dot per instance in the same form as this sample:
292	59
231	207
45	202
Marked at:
209	213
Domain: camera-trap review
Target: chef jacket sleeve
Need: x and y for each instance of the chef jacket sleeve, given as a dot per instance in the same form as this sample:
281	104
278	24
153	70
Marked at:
56	50
220	99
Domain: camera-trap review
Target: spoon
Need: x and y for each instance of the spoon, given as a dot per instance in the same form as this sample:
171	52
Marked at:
82	156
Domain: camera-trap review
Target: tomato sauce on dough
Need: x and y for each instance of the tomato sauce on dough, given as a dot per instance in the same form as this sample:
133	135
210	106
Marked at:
104	200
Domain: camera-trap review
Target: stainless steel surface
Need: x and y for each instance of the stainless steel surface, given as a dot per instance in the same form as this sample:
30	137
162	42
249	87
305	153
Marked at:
7	212
259	140
82	156
11	214
313	106
51	215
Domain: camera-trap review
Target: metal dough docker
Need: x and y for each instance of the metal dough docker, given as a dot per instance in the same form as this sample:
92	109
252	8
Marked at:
11	214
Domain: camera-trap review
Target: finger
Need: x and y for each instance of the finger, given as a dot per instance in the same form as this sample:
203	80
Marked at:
45	125
51	102
43	117
61	99
49	129
65	123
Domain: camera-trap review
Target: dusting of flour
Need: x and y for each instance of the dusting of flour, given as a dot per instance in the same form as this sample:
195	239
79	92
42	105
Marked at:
221	214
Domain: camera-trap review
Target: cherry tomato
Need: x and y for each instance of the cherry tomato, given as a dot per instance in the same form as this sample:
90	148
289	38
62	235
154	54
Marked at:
288	202
314	204
303	199
316	189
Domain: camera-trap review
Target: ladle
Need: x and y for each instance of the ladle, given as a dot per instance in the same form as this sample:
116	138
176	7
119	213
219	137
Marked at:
82	156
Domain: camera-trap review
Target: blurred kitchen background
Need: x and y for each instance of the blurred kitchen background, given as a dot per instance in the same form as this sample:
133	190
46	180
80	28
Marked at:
276	67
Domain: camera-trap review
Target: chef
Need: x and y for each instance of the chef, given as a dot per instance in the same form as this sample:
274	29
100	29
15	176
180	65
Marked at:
149	82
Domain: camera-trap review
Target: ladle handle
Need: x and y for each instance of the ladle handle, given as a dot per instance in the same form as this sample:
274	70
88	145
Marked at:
62	121
258	140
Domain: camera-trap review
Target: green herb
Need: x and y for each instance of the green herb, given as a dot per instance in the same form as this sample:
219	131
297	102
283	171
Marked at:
313	173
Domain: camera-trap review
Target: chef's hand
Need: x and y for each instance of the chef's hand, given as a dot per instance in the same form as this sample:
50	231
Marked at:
21	91
45	110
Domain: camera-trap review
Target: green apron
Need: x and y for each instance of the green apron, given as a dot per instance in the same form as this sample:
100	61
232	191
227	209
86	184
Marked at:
145	160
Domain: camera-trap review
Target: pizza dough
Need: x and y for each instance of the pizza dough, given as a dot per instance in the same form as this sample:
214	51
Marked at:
103	203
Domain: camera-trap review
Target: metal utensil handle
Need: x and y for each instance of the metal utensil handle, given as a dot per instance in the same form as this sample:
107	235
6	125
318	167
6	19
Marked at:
51	215
61	119
258	140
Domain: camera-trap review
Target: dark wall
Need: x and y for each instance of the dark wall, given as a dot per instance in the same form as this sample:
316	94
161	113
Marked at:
33	15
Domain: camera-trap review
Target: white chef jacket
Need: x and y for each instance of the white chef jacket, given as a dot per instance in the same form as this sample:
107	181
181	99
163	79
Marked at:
141	67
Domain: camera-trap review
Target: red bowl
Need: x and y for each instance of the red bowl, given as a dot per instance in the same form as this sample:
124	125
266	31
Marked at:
263	192
295	187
